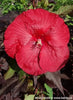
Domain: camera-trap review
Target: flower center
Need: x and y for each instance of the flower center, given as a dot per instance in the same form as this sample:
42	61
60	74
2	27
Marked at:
39	42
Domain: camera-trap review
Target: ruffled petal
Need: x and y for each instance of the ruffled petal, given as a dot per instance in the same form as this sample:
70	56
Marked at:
49	25
53	59
27	59
58	34
11	46
16	36
39	20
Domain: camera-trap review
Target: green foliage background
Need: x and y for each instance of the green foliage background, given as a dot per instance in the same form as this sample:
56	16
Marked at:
22	5
64	8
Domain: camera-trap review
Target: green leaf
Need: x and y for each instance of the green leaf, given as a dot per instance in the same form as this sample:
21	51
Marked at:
64	10
45	93
49	91
21	74
64	1
4	11
68	19
9	73
72	38
29	97
22	1
70	24
46	3
30	7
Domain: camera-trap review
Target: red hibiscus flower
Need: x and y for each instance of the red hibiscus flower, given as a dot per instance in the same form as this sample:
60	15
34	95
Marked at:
38	40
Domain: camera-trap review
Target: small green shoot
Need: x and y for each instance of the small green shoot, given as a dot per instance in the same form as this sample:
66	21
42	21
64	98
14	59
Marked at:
49	91
29	97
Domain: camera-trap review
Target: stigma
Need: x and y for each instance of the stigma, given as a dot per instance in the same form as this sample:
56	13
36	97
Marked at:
39	43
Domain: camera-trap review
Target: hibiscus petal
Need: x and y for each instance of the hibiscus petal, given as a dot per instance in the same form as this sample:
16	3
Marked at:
53	59
15	36
58	35
10	46
27	59
38	19
49	25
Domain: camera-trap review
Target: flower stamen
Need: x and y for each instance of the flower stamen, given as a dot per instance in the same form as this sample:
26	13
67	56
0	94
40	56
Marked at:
39	42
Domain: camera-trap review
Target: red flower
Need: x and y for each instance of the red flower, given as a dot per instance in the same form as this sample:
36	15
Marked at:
38	40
